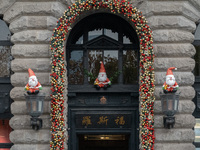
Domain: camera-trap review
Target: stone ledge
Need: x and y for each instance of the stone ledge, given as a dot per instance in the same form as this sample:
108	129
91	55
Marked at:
187	92
174	135
185	107
174	146
31	51
37	65
182	64
172	36
21	79
30	136
55	9
174	50
17	93
182	78
30	146
19	108
32	36
23	122
181	121
171	22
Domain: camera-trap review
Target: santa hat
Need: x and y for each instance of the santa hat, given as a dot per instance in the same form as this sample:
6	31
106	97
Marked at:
102	69
31	73
169	71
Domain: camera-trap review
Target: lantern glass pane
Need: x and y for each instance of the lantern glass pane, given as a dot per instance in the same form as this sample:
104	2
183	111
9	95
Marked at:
176	105
164	105
34	106
170	104
28	105
39	106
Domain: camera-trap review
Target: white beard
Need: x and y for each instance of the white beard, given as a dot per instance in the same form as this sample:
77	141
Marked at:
102	77
32	81
170	82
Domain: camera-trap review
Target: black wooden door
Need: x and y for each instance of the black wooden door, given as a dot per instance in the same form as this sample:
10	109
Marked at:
103	114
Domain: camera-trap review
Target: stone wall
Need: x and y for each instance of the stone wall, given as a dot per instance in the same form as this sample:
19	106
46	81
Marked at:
173	25
32	23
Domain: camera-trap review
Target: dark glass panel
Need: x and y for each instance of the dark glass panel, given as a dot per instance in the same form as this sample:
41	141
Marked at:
4	31
95	33
80	40
111	65
126	40
5	59
111	34
130	67
94	58
76	75
197	61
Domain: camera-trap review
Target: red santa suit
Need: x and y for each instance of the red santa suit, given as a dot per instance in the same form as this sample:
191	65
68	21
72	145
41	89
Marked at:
170	84
33	85
102	80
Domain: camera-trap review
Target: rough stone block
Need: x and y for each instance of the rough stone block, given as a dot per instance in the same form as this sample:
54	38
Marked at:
184	8
186	92
5	5
30	136
37	65
50	8
182	64
182	78
31	51
21	79
184	107
174	146
181	121
174	50
174	135
33	22
19	107
172	36
190	11
17	93
171	22
13	12
32	36
23	122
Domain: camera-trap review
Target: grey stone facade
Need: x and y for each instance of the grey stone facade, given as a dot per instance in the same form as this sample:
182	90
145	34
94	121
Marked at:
32	23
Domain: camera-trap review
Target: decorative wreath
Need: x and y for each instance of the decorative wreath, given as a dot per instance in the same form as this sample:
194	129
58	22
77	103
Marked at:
146	79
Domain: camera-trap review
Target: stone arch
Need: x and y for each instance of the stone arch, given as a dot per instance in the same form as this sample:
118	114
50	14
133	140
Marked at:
146	79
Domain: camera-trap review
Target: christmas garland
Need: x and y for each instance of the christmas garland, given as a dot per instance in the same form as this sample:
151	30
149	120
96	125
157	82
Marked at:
146	68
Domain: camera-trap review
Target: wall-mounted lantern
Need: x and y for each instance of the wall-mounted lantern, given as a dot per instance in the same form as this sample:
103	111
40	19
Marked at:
34	104
34	100
169	99
169	103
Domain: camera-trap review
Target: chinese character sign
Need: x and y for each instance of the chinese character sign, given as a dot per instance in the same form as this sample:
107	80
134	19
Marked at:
120	120
103	120
86	120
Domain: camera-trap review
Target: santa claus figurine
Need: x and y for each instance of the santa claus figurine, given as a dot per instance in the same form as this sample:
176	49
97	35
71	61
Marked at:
102	80
33	86
170	85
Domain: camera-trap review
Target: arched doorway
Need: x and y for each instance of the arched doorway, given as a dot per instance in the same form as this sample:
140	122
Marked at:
104	118
146	68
